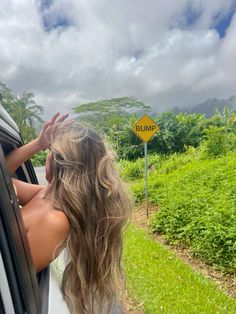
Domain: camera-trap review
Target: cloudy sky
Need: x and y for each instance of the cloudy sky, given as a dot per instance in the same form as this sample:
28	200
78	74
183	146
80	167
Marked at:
165	53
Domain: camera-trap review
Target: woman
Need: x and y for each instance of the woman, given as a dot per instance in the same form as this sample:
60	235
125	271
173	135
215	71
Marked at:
84	208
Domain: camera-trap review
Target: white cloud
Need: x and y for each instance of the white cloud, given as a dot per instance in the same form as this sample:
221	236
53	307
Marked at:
148	49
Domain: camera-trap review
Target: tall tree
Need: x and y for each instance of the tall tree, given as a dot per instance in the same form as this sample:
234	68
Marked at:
108	113
24	111
115	117
7	97
27	111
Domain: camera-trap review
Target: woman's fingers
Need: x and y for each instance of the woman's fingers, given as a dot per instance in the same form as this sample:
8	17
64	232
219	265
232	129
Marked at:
46	125
56	118
52	121
49	129
63	117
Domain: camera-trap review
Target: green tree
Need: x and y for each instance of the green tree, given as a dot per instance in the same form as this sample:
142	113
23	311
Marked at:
126	143
115	117
7	96
107	113
225	118
177	132
216	143
27	112
24	111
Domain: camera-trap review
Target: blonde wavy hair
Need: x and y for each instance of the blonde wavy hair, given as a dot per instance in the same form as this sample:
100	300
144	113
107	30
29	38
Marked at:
87	188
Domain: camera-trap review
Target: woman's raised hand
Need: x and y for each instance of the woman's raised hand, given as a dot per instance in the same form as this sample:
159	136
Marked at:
44	138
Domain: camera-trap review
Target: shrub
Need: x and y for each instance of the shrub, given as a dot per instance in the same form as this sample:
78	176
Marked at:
138	191
197	201
198	208
215	144
174	162
136	169
39	159
132	169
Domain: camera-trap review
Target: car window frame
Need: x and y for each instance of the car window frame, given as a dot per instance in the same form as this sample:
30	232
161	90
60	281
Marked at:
39	293
6	300
2	309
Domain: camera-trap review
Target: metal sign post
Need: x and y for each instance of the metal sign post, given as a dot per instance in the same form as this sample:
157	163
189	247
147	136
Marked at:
145	128
146	179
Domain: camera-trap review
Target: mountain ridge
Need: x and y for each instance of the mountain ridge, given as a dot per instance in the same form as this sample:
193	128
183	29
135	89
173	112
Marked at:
209	106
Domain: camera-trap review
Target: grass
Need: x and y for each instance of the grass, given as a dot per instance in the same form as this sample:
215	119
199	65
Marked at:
165	284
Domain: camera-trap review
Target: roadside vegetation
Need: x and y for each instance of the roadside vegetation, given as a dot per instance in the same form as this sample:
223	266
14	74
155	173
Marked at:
196	202
160	282
39	159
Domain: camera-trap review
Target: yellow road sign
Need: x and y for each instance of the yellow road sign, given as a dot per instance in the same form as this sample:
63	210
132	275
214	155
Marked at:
145	128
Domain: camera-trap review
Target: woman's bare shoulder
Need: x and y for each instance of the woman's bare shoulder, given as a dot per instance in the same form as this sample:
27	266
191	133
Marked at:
57	220
47	236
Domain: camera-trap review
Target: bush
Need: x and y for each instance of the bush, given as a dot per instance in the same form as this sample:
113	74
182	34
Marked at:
216	143
231	141
132	169
136	169
174	162
198	208
197	201
39	159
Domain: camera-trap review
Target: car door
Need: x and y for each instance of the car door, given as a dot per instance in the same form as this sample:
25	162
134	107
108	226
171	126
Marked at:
15	252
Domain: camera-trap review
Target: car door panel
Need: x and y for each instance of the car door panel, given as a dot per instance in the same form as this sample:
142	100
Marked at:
17	244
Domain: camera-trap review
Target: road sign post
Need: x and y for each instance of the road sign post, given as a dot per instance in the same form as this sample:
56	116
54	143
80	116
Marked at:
145	128
146	178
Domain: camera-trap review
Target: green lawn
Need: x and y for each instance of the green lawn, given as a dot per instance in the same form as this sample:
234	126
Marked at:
165	284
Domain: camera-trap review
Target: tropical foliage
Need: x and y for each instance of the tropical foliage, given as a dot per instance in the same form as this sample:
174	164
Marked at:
108	113
24	111
116	116
195	192
39	159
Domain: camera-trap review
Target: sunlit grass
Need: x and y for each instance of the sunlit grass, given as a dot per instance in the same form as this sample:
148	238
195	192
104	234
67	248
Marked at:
165	284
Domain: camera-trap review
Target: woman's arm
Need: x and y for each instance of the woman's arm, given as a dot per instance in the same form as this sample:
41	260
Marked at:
25	191
18	156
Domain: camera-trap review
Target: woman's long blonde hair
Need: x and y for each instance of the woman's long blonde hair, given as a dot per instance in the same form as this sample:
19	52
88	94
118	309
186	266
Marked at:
87	188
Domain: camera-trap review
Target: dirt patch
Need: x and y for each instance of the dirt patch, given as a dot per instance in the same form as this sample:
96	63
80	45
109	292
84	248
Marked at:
140	213
132	307
225	282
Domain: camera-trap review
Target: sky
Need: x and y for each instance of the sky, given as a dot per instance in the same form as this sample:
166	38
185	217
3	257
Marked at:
165	53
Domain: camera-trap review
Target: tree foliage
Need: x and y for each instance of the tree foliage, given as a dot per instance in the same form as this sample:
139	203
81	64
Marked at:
108	113
177	132
24	111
